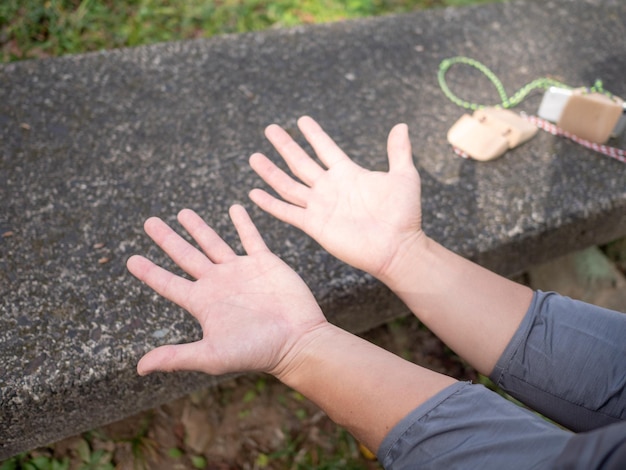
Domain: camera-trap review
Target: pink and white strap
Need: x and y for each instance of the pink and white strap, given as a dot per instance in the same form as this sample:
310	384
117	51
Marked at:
553	129
618	154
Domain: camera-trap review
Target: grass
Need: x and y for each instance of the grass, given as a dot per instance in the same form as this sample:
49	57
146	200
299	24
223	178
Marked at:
44	28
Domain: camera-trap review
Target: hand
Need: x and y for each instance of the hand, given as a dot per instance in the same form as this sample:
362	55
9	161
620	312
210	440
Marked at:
362	217
254	310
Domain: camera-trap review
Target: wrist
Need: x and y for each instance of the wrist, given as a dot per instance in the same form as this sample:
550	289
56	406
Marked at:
409	256
303	350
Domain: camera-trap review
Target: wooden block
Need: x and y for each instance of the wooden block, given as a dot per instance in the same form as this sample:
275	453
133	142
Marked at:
591	116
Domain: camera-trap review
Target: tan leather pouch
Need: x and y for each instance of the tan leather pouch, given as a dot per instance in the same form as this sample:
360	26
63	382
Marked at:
512	126
489	133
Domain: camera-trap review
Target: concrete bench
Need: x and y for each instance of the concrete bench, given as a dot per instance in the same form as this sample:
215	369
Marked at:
91	145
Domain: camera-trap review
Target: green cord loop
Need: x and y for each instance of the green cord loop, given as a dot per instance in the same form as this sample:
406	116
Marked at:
505	101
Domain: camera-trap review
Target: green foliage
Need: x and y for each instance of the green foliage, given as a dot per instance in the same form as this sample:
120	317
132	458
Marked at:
175	453
249	396
143	447
38	28
93	460
24	462
262	461
198	461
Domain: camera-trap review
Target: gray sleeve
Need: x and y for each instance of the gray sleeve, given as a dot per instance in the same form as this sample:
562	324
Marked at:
568	361
603	448
468	426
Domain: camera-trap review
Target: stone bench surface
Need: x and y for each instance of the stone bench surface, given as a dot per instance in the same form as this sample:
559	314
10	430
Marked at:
91	145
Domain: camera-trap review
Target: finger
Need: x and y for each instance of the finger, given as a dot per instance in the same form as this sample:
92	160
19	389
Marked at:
211	243
182	252
325	147
173	357
299	162
288	213
163	282
290	190
248	234
399	149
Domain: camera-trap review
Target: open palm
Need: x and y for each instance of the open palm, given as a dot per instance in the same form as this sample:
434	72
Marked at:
362	217
252	309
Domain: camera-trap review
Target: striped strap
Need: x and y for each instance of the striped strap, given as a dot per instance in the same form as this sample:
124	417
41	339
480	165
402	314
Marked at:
553	129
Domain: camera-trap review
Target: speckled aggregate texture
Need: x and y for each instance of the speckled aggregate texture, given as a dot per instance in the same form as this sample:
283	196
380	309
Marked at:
92	145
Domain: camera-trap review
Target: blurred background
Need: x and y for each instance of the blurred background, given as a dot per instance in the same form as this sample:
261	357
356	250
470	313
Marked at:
43	28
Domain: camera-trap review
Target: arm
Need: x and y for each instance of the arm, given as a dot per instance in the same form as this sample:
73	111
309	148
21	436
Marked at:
257	314
372	220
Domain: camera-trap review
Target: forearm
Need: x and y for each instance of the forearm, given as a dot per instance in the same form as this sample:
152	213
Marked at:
360	386
473	310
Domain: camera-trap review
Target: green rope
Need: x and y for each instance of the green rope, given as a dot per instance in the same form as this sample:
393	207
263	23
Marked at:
505	101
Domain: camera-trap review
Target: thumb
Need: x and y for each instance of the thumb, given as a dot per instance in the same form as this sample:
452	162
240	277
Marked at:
173	357
399	149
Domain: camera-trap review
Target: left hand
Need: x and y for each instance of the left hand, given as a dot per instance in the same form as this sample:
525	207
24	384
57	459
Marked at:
367	219
254	310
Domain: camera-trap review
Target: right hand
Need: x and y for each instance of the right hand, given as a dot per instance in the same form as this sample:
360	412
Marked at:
256	313
365	218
